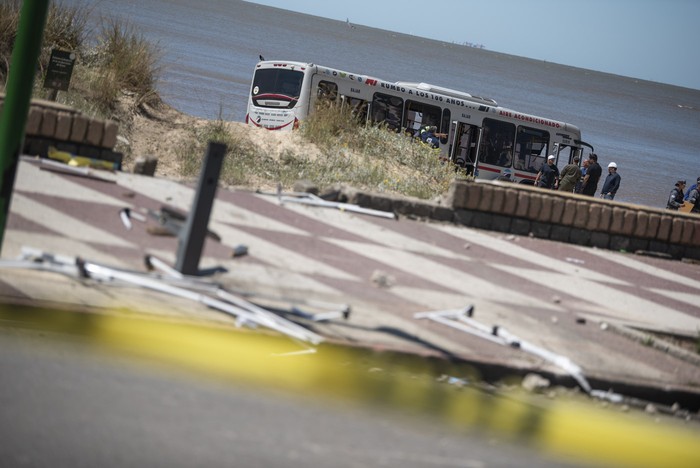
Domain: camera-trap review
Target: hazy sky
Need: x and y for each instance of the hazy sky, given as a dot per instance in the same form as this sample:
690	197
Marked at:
653	40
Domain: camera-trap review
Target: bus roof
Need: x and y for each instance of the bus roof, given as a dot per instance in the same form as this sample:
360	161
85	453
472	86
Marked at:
448	92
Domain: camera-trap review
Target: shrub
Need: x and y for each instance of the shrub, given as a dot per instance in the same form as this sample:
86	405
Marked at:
126	62
66	28
121	61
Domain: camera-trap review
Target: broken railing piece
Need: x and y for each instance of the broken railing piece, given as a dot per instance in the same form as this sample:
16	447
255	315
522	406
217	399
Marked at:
306	198
337	310
127	214
461	319
245	312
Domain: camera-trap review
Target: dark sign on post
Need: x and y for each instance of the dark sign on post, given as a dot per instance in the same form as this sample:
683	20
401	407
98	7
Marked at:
59	70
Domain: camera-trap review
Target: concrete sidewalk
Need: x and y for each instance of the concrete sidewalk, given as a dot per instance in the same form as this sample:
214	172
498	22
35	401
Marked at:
565	299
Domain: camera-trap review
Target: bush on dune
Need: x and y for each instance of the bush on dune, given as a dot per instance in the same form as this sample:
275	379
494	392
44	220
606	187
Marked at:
112	60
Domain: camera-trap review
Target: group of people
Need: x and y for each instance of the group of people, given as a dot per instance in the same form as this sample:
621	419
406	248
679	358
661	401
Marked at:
579	179
584	180
692	196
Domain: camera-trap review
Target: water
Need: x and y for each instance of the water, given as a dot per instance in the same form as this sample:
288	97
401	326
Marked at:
210	47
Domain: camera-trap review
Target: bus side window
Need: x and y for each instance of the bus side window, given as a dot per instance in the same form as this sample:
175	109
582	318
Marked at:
531	149
497	143
387	109
420	115
358	107
327	91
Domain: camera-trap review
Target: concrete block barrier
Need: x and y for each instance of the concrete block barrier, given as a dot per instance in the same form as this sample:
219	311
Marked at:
64	121
78	128
52	124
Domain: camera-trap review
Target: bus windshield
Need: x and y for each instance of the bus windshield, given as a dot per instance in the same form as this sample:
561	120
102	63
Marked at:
274	87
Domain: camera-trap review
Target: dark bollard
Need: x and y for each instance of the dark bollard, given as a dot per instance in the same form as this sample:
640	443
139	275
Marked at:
195	230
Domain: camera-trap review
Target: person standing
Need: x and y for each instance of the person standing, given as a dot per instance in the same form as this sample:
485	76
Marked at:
694	197
675	201
612	182
548	177
570	176
590	181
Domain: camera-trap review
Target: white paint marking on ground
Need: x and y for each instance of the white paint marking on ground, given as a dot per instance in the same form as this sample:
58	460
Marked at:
31	178
14	241
448	277
181	196
277	255
72	228
358	225
259	276
688	298
628	261
233	214
625	306
492	241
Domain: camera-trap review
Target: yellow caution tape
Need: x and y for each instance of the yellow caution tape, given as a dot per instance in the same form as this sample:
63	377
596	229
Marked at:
580	430
78	161
57	155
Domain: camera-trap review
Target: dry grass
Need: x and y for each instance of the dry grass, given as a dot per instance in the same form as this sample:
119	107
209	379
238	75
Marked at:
113	60
126	62
66	28
337	149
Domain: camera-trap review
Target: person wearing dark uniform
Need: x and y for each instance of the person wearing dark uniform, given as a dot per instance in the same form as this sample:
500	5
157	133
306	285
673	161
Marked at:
612	182
548	177
429	136
675	200
593	173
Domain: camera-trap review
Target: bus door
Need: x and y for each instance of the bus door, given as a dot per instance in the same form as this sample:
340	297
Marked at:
465	141
566	154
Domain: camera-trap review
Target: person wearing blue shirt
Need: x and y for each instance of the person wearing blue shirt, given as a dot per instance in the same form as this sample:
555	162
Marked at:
429	137
612	182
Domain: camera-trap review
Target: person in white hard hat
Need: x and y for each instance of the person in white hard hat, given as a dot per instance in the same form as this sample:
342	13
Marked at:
612	183
548	177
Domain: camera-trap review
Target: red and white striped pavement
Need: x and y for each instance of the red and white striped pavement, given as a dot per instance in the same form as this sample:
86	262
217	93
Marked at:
537	289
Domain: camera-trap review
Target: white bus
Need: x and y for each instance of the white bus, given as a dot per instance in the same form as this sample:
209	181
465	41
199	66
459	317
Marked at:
486	139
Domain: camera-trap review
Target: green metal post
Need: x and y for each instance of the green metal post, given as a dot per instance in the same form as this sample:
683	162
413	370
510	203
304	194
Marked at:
18	95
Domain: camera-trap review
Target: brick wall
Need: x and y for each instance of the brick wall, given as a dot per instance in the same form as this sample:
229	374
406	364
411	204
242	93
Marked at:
565	217
52	124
